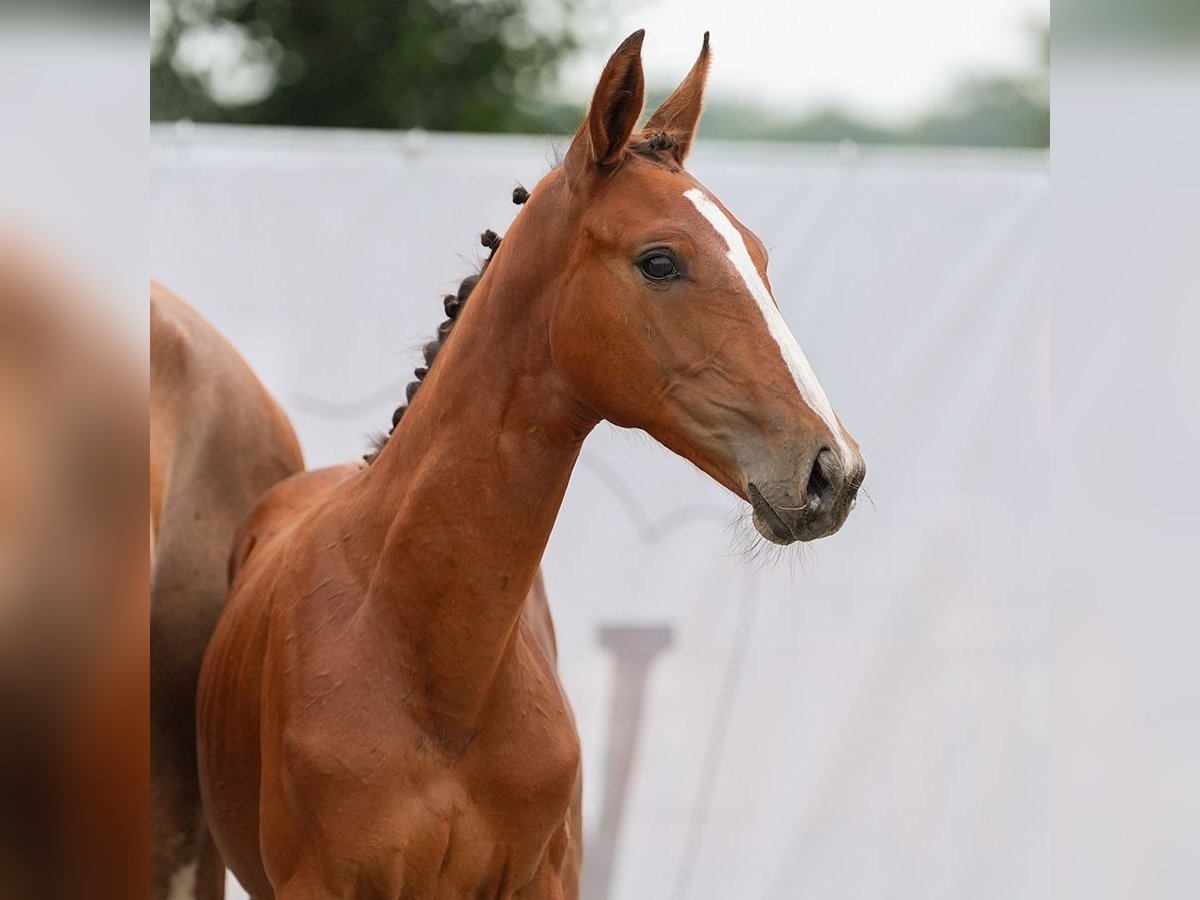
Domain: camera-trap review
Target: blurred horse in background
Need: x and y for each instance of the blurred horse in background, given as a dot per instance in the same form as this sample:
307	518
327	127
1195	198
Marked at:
379	711
218	441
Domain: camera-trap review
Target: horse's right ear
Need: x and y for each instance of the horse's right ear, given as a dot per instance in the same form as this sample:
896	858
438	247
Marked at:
601	140
679	114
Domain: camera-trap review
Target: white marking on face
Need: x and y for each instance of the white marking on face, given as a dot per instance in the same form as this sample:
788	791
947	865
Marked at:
793	357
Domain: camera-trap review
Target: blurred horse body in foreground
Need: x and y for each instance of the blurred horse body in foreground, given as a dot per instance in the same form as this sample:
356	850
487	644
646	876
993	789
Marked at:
73	588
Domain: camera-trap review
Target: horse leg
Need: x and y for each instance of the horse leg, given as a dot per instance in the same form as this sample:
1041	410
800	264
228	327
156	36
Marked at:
210	875
178	833
170	838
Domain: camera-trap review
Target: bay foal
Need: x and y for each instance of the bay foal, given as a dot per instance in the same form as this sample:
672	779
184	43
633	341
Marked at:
217	442
379	710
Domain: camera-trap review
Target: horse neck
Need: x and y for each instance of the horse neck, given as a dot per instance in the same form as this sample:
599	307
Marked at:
466	492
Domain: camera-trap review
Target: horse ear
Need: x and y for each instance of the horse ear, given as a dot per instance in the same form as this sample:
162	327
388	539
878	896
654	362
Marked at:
616	106
679	114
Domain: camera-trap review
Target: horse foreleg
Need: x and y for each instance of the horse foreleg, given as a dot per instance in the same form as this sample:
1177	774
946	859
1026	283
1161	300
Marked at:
210	872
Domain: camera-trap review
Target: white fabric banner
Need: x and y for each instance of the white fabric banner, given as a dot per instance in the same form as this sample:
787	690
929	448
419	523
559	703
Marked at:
865	718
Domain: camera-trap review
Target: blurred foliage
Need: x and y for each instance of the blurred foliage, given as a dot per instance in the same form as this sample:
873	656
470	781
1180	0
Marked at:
480	65
83	10
1163	25
453	65
981	110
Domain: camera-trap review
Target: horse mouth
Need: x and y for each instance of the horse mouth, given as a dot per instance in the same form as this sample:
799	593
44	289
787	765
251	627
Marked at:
811	523
767	521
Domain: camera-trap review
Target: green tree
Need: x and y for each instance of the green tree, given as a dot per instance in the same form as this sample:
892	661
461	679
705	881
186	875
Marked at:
459	65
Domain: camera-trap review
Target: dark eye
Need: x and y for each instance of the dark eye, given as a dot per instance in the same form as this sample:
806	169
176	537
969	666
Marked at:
658	267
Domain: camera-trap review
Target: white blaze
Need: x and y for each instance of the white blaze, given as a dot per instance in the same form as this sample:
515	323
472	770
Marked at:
793	357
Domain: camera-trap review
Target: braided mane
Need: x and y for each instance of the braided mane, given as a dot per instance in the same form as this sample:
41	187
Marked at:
453	305
657	147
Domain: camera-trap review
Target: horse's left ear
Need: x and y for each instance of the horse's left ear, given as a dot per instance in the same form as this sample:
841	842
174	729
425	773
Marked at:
679	114
602	138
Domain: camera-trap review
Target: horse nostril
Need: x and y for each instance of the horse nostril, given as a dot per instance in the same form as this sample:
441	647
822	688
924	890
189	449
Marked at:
823	481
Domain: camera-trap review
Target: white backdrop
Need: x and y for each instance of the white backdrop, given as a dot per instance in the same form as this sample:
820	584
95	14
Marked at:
866	719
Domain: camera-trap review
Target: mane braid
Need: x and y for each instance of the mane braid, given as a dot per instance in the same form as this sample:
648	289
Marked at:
453	305
658	147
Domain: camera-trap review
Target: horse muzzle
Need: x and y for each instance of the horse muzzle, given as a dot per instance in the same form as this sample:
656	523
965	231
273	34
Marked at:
785	512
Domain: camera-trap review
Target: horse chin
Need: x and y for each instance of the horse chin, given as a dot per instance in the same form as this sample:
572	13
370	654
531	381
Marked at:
775	531
765	529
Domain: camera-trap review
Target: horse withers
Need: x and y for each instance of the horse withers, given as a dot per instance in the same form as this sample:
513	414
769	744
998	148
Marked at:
379	709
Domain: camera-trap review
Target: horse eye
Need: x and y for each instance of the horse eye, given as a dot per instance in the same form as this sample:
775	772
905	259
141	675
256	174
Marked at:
658	267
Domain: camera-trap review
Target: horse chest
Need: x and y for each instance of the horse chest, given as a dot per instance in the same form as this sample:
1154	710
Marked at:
493	823
526	771
519	762
450	814
501	840
514	788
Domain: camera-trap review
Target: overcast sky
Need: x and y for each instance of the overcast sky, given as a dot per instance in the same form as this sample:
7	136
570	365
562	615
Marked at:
888	58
